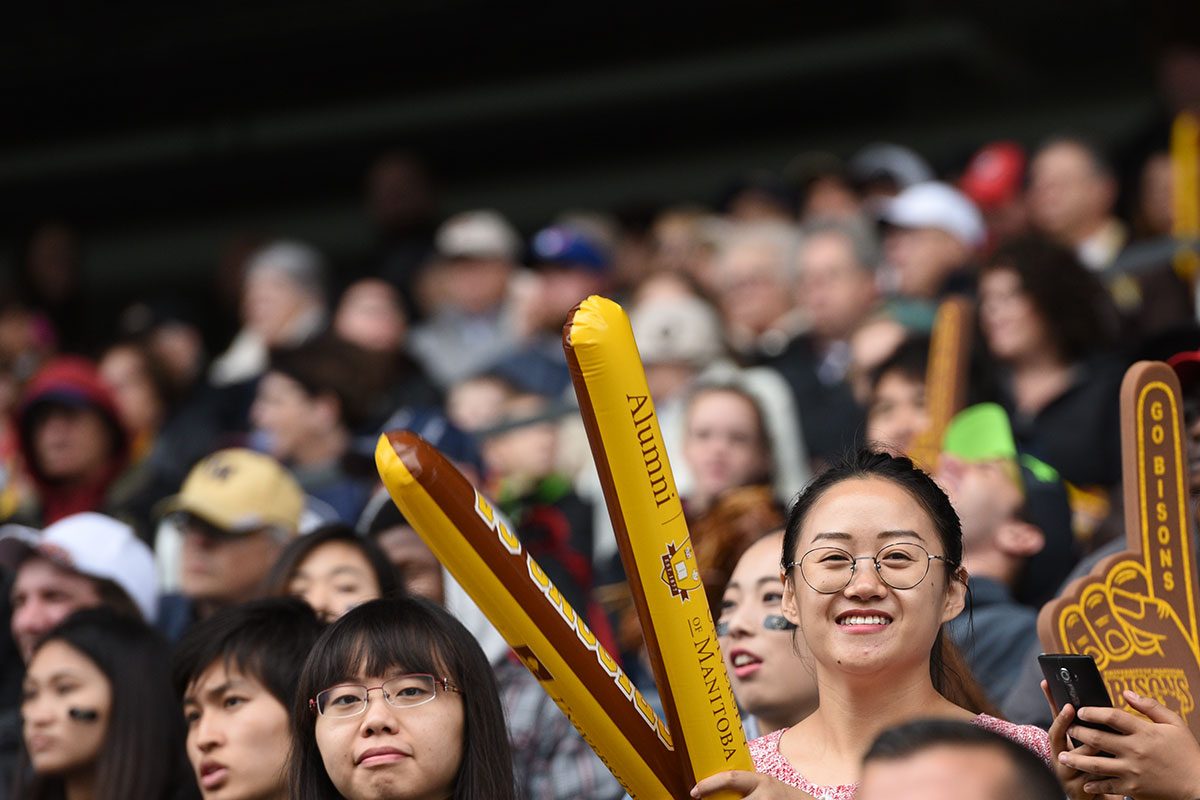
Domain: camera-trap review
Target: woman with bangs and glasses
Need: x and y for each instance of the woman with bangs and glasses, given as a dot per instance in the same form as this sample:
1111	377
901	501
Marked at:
872	571
397	702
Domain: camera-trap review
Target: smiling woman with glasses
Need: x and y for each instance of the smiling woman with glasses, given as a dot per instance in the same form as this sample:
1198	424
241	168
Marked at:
384	707
872	571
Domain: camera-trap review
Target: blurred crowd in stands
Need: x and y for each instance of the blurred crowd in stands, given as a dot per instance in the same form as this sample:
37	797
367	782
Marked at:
176	461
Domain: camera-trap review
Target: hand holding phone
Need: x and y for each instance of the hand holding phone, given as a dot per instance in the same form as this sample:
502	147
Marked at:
1074	679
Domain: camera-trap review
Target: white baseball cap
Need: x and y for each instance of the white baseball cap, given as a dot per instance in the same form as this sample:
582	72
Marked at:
93	545
934	204
478	234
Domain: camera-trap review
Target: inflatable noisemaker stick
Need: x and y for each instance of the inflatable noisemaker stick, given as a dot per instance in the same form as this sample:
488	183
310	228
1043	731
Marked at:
1185	168
945	378
1136	613
479	547
647	517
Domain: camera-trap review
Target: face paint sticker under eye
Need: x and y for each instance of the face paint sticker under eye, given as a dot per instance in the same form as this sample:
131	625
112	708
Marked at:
772	622
778	622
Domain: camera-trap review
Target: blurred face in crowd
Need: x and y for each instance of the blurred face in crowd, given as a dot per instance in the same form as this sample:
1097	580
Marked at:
57	679
272	303
370	316
752	205
71	444
986	494
564	286
127	375
222	568
1011	324
420	571
180	349
836	292
769	680
477	285
237	736
896	414
410	753
724	443
43	595
334	578
923	258
1156	205
290	416
476	403
830	197
529	452
679	246
21	339
1068	196
870	345
943	772
755	289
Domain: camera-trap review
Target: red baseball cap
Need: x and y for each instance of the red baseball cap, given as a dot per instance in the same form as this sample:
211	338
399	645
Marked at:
994	175
1187	367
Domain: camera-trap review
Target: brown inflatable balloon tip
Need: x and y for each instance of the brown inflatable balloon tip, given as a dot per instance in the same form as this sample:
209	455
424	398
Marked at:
566	333
405	445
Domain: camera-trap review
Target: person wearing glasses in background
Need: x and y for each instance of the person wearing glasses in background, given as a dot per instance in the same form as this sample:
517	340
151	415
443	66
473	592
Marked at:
383	707
872	558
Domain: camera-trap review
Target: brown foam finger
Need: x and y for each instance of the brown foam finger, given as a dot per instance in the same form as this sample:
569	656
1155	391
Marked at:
1136	611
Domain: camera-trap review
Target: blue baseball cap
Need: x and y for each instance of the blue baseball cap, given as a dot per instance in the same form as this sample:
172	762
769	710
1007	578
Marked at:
564	246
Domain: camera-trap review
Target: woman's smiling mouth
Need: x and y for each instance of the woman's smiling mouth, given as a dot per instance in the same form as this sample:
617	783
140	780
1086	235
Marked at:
863	621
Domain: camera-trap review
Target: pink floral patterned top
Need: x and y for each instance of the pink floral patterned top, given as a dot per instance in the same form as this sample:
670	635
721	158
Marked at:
769	761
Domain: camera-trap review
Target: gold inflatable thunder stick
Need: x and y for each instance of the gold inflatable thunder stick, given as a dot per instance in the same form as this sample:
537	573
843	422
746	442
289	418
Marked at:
653	538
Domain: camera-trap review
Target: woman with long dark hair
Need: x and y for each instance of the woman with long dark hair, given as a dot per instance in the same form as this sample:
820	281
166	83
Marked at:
100	718
397	700
1049	326
872	556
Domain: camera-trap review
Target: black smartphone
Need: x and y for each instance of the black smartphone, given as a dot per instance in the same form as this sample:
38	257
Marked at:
1074	679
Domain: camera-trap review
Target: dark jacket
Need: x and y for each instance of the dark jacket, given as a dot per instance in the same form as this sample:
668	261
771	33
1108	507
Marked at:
994	634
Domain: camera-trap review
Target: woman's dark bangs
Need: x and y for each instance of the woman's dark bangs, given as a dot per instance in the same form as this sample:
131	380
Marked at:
378	646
